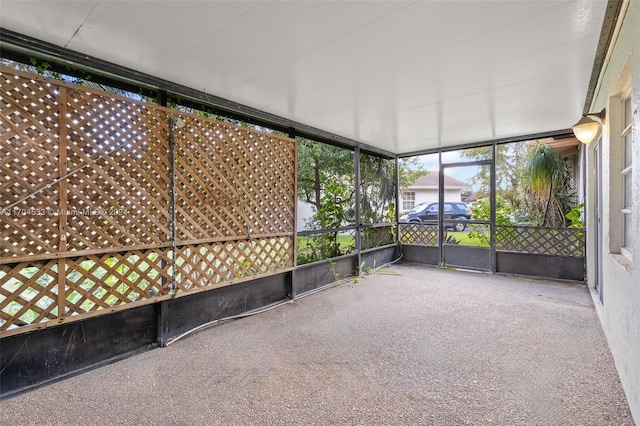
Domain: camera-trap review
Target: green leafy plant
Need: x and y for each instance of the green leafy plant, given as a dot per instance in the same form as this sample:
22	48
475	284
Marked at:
574	216
42	68
331	215
336	275
482	211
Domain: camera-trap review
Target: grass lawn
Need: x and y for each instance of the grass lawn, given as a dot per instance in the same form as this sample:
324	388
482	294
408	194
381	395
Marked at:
465	240
349	240
344	241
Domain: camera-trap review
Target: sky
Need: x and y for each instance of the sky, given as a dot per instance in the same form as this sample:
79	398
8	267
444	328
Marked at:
464	174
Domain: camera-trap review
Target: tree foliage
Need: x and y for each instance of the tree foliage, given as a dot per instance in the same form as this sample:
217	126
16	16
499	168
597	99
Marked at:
482	211
326	177
410	171
511	162
326	181
330	216
534	179
320	165
377	189
504	211
547	183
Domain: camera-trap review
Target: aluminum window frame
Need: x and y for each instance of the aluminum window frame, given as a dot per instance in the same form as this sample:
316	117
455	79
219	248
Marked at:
626	168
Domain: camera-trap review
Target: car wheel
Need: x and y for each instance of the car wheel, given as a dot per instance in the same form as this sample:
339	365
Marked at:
415	221
460	226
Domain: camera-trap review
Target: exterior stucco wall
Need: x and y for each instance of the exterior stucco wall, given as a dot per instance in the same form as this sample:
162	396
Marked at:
452	195
431	195
425	195
620	310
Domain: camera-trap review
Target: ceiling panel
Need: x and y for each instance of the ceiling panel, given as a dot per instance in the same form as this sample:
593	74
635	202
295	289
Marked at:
398	75
151	36
52	21
275	35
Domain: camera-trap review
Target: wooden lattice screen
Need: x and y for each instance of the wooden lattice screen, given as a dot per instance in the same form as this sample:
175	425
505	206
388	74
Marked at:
420	234
565	242
131	202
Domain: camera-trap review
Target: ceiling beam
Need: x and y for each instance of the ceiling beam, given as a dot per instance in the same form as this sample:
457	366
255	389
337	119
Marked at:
521	138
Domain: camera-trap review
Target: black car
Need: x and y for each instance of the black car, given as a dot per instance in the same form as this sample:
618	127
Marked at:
458	211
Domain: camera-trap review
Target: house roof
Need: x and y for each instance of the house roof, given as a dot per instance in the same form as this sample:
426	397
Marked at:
431	181
401	76
566	146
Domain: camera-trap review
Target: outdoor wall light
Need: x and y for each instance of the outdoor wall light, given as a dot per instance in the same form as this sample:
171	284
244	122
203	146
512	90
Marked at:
587	128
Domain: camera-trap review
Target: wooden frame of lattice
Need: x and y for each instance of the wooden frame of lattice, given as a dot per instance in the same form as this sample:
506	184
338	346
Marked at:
565	242
421	234
127	206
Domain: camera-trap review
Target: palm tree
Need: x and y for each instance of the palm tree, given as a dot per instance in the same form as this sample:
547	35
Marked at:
546	182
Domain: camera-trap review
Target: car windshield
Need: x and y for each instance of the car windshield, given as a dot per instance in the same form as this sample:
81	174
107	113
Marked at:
419	208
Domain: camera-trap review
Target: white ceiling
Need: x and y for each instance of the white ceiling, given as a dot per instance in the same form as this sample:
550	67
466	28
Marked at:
398	75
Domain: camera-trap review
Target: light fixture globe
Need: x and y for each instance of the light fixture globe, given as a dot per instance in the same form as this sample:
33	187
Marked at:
587	128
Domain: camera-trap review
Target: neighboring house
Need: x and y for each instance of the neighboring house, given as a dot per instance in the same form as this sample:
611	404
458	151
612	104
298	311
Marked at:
425	190
613	202
304	212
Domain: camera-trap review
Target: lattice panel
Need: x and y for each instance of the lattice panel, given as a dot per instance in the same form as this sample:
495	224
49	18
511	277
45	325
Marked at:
98	282
230	181
567	242
215	263
229	178
419	234
123	199
28	293
28	162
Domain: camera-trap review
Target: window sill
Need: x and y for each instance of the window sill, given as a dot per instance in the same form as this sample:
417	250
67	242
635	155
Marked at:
623	260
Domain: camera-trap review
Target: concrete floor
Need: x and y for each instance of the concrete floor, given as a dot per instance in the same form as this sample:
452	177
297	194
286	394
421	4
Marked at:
408	345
